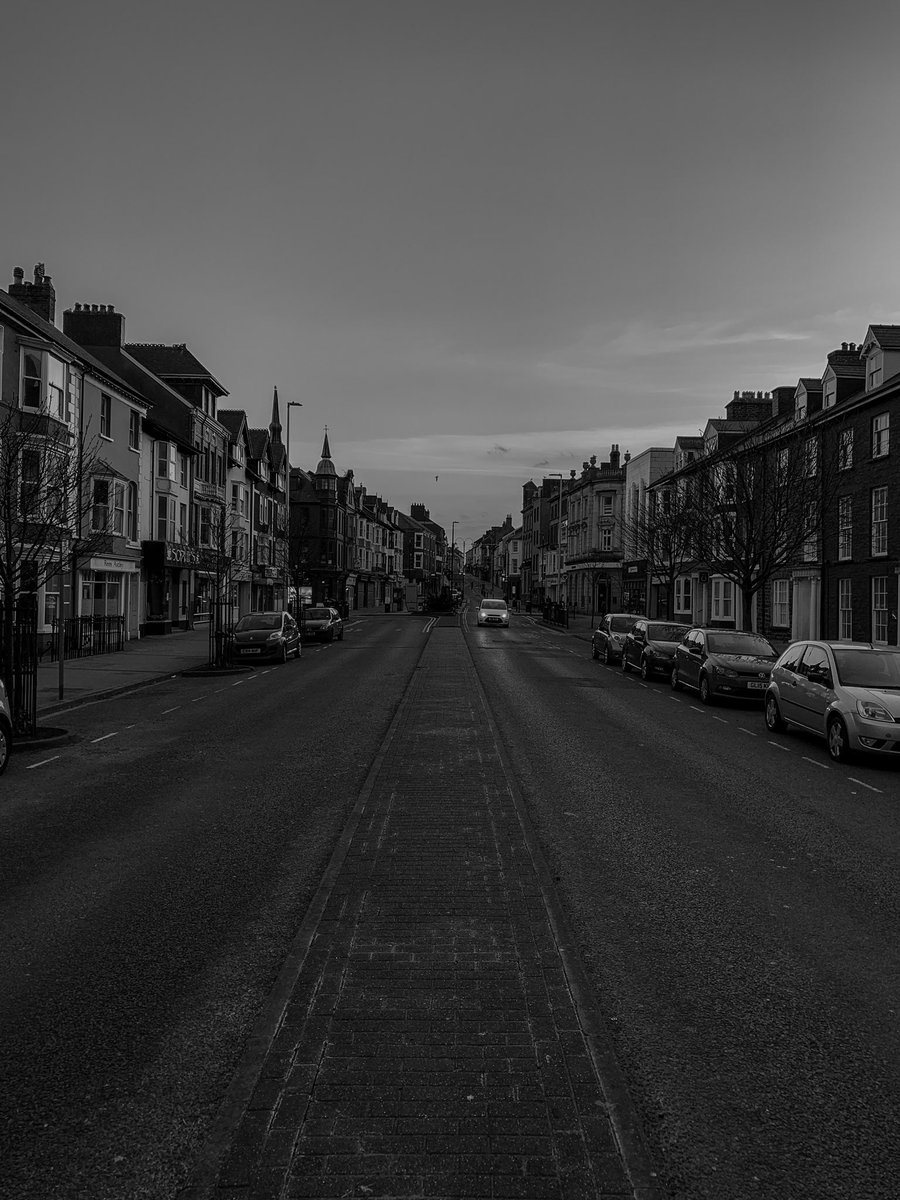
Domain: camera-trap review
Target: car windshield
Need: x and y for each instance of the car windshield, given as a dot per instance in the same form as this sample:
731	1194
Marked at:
316	614
868	668
666	633
493	604
739	643
620	624
258	621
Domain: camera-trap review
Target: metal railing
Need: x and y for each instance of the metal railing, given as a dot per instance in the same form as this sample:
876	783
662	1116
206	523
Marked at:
88	635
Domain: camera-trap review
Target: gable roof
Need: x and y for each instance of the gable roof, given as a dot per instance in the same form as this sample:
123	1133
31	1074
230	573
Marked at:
174	362
233	419
259	440
811	385
887	336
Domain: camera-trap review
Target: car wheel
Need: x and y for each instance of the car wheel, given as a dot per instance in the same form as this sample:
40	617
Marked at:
5	744
626	665
645	669
297	651
284	652
676	683
775	723
706	692
838	746
595	653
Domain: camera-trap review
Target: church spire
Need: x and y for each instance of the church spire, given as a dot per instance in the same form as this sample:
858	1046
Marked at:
275	426
326	450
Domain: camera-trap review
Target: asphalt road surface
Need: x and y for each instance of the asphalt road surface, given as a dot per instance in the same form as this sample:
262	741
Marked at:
734	896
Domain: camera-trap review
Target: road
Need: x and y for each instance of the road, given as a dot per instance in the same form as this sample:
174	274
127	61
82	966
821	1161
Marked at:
733	896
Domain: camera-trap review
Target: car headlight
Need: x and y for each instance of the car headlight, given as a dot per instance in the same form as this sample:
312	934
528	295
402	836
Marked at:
873	711
726	671
274	636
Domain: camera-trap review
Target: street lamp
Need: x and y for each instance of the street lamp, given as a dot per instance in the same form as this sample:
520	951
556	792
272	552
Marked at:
453	525
287	557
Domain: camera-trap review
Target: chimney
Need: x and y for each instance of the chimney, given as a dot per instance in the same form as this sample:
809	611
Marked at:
614	457
39	296
94	325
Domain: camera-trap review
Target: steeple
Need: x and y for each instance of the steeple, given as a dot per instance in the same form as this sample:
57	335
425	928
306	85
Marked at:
275	426
326	451
326	475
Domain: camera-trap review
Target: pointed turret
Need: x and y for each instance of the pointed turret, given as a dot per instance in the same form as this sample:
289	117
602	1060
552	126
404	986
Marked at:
275	426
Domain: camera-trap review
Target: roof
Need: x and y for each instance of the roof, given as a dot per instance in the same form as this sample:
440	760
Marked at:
232	419
176	362
887	336
170	412
258	441
51	334
690	443
811	385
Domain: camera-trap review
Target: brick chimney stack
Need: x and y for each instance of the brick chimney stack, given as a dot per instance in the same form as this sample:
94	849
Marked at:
39	296
94	325
614	457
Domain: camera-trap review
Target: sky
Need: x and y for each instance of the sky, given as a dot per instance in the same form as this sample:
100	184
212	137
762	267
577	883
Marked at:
480	240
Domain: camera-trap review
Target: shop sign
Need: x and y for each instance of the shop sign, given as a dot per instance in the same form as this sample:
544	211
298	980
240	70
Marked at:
113	564
181	556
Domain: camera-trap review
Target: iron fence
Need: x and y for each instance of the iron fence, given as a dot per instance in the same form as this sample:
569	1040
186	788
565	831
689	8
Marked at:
21	669
85	636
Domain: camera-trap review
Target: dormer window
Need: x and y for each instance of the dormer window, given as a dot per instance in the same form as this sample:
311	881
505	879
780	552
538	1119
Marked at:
800	405
829	391
874	370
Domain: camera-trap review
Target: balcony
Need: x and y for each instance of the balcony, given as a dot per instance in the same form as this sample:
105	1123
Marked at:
594	558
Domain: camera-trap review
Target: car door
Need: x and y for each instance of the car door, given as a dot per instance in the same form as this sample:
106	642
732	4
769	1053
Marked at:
813	696
689	659
789	682
634	641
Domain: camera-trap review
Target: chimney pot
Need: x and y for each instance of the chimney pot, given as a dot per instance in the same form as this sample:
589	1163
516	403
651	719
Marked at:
844	346
18	274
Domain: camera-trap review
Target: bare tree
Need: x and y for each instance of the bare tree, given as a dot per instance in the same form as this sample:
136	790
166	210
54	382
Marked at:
45	506
760	505
664	533
220	548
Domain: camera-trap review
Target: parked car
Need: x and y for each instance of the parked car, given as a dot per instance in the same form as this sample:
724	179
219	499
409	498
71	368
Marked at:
846	692
722	662
322	623
608	638
6	734
263	635
493	612
650	646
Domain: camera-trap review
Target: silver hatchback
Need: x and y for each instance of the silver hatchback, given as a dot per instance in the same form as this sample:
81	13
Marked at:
846	692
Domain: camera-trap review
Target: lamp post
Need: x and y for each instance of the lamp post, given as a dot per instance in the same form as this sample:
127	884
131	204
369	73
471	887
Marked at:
453	525
287	556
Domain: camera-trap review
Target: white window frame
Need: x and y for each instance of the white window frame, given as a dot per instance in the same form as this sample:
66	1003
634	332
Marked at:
684	594
606	538
874	369
829	392
845	610
880	609
881	435
879	511
781	603
106	416
845	528
134	430
166	457
722	599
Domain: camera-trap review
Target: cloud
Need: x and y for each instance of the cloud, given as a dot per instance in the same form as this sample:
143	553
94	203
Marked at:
498	451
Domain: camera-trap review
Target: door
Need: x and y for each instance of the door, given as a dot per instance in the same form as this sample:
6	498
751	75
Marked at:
689	664
813	697
789	683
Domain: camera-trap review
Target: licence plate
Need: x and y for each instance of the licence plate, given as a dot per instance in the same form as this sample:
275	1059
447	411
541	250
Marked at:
251	650
759	686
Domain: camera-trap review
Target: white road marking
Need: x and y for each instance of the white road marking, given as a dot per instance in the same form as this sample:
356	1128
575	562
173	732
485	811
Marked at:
197	699
642	684
105	736
168	710
867	785
677	699
239	682
42	763
129	727
694	708
741	729
815	762
778	746
722	719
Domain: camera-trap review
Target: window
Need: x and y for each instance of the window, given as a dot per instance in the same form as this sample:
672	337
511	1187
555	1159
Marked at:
108	506
185	474
166	455
105	415
800	405
30	485
829	391
781	603
845	610
811	545
165	519
845	527
873	371
606	539
782	466
683	595
845	450
134	430
417	561
723	599
51	599
811	457
131	513
606	505
881	435
205	529
880	610
182	523
879	520
32	379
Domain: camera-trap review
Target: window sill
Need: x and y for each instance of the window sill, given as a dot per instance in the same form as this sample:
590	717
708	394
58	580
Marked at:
105	437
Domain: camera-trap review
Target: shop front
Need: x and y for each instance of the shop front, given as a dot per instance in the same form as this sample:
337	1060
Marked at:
167	573
634	586
109	590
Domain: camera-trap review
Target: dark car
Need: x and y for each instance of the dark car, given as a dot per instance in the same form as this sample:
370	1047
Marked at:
6	735
265	635
608	638
322	623
722	662
650	646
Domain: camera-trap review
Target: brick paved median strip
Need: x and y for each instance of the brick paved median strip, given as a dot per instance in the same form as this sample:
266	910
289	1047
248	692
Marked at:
430	1043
